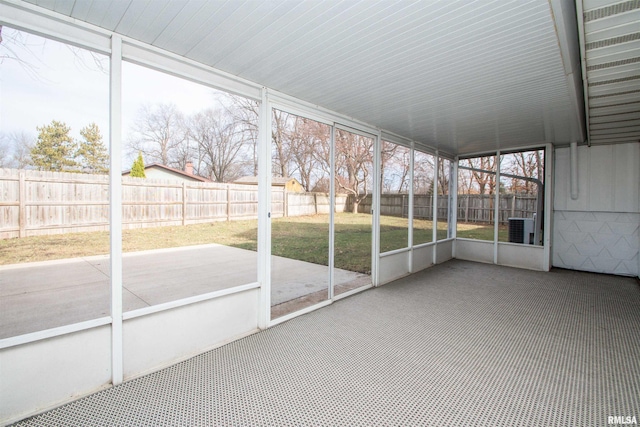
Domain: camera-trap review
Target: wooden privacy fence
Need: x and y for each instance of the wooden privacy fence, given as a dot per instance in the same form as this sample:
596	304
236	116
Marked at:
298	204
471	207
398	205
39	203
481	207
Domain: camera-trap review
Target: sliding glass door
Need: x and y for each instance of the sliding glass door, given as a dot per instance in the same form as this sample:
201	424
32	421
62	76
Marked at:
353	219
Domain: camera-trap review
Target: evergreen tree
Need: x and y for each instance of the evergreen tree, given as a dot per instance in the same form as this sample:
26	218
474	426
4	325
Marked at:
137	169
54	150
94	157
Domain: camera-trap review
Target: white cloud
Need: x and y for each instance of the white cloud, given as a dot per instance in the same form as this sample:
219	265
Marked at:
57	89
66	86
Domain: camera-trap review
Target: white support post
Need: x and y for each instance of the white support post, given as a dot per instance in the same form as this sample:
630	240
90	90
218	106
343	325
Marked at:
548	206
264	211
452	215
434	198
332	210
115	207
454	201
375	205
412	157
496	210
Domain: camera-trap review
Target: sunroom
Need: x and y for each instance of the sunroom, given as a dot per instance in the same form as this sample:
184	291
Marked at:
335	147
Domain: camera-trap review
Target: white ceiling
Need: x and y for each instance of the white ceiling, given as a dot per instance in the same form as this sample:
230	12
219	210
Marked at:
462	76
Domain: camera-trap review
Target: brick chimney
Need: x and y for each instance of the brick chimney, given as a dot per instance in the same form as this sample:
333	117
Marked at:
188	168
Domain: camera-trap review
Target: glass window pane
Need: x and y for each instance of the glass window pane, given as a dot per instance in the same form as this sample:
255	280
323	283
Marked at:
476	198
521	197
394	196
423	176
54	188
444	191
353	219
190	193
300	153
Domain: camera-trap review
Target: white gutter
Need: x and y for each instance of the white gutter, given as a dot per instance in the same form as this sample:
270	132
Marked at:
583	63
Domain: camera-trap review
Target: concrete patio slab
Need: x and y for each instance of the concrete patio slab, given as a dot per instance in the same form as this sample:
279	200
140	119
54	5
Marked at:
44	295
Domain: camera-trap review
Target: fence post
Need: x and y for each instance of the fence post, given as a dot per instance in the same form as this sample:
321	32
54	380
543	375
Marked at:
466	209
228	203
184	203
513	206
285	202
22	204
315	202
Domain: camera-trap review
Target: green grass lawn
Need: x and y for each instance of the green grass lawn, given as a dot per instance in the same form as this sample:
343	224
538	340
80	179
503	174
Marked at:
482	231
353	242
305	238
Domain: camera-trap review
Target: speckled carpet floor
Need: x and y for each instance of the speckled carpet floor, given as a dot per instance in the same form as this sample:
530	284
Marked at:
460	344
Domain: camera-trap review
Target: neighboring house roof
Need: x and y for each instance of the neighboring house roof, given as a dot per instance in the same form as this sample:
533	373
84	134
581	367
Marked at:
172	171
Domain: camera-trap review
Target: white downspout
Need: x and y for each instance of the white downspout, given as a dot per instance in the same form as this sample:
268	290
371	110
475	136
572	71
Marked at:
574	170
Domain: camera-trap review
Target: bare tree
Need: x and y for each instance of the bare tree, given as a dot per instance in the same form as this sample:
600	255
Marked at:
220	145
17	46
528	164
322	152
5	152
305	146
444	169
245	113
423	168
281	137
300	146
22	47
22	144
395	168
159	133
486	181
354	165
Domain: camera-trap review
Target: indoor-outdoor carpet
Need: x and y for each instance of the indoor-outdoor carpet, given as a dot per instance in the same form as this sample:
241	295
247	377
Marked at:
460	344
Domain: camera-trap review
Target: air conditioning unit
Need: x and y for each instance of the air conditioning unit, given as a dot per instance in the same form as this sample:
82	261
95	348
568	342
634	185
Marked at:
521	230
